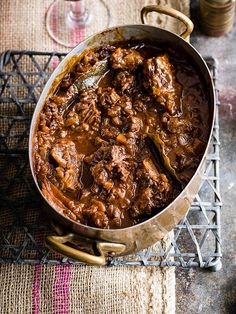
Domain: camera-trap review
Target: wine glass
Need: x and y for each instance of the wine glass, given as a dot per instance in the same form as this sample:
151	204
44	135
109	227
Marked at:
68	22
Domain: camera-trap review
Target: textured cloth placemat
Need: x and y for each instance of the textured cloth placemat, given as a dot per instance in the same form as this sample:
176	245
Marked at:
84	290
81	289
22	23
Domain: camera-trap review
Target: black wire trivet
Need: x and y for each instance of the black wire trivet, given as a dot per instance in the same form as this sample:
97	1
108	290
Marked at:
196	241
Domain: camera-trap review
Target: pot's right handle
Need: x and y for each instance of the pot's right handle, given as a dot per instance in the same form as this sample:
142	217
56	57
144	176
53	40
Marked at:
168	11
57	244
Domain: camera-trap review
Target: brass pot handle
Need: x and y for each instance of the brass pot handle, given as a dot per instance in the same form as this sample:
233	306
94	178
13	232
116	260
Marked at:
56	243
171	12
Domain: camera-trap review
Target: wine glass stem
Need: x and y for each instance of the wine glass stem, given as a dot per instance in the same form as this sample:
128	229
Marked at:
78	12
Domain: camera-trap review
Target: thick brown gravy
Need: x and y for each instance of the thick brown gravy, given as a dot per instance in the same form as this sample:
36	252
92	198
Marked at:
114	153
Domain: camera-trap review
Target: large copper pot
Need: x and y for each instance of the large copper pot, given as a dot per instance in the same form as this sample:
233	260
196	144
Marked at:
102	242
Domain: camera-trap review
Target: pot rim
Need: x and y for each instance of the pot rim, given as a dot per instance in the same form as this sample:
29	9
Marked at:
59	69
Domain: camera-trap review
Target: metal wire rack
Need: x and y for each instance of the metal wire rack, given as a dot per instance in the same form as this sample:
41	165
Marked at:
196	240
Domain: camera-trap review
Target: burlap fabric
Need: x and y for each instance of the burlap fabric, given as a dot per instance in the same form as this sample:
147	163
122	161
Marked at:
68	288
23	22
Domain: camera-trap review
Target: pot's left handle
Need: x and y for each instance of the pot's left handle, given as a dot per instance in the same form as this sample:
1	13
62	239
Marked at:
57	244
171	12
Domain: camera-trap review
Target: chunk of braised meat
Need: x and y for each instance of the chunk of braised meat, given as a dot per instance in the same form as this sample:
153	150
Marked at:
120	162
68	164
114	213
129	137
67	80
190	153
111	169
105	51
184	152
126	104
129	141
107	97
109	163
95	211
108	130
43	169
182	142
141	102
154	190
87	62
64	153
124	82
84	115
44	142
151	169
158	75
176	124
159	79
101	176
117	111
110	101
126	59
61	202
68	177
51	117
119	200
121	113
91	57
136	124
96	214
99	154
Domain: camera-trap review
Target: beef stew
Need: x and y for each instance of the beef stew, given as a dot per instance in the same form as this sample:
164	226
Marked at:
122	135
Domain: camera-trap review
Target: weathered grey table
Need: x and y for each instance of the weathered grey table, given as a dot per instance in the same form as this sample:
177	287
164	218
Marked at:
202	291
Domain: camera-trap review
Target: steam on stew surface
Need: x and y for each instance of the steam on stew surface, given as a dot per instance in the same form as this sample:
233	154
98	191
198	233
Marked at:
122	135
